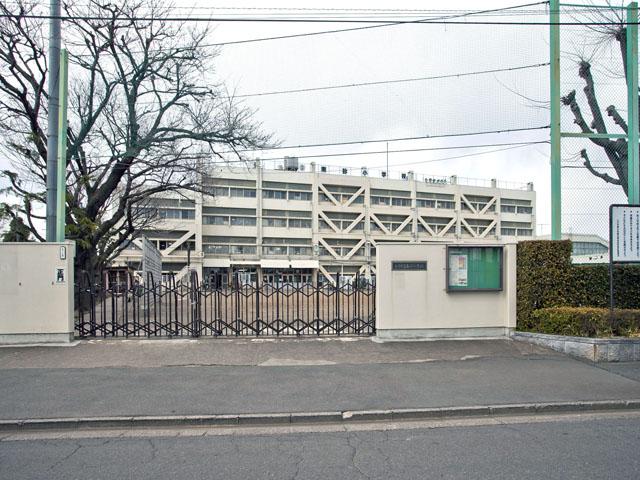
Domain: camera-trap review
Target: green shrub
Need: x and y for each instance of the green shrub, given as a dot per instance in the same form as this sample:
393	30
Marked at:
586	321
546	278
590	286
544	274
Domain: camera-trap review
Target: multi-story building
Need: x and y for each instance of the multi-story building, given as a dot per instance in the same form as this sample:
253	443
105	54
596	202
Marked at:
300	219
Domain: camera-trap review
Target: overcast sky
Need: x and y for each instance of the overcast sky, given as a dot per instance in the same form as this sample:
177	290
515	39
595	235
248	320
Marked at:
438	107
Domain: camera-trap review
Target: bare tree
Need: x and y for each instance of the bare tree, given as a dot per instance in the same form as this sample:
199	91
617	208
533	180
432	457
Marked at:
609	25
143	117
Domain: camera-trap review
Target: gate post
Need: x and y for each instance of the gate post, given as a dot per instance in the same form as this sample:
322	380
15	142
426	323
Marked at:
258	303
337	305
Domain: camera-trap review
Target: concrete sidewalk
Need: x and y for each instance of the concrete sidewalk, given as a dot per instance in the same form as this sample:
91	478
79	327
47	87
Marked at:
208	377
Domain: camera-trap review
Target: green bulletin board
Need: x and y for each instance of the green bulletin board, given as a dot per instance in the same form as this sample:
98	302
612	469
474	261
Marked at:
474	268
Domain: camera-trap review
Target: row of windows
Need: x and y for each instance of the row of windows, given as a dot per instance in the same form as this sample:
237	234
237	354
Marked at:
516	209
286	250
176	214
342	198
444	204
230	249
251	221
284	223
252	249
283	195
395	201
588	248
341	225
516	232
163	244
224	220
232	192
343	252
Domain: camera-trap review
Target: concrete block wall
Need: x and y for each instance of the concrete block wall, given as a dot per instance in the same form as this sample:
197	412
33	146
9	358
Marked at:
416	304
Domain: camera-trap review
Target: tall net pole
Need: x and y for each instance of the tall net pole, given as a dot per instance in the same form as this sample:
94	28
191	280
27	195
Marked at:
633	149
554	100
53	120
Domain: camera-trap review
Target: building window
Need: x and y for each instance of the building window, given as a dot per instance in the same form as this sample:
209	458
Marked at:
380	201
274	222
243	192
242	250
306	196
401	202
276	194
299	250
215	220
243	221
426	203
508	208
445	204
216	249
176	214
299	223
274	250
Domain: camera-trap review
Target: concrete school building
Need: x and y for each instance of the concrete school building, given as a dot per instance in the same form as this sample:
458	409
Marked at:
300	220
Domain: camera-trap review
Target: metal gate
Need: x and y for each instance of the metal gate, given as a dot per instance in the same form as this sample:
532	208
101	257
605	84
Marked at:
128	308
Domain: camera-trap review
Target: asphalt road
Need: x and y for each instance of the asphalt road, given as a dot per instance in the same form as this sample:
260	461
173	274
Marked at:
564	447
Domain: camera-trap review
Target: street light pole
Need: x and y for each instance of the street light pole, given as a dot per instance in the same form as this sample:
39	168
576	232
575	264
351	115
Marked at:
53	112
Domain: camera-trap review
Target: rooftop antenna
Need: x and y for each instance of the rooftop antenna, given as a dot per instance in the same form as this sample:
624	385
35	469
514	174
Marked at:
387	158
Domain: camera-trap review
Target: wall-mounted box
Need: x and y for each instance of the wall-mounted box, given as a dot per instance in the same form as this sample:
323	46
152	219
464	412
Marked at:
474	268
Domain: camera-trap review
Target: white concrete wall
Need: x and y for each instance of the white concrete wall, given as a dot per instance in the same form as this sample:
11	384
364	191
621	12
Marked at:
34	307
416	304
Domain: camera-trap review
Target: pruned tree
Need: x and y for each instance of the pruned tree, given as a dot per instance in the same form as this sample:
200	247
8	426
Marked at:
16	230
144	117
609	26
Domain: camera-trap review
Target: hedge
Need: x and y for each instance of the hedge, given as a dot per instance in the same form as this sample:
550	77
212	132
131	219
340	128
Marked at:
590	285
547	278
544	274
586	321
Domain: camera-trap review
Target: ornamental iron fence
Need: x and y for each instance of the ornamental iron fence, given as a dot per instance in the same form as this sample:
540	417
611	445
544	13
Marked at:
127	307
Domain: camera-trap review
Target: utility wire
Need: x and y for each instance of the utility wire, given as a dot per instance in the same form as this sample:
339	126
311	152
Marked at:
419	162
378	152
352	29
358	142
285	20
381	82
386	82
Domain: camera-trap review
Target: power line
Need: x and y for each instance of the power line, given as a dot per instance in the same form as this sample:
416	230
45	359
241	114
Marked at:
386	82
464	156
375	152
381	23
352	29
358	142
381	82
329	155
297	20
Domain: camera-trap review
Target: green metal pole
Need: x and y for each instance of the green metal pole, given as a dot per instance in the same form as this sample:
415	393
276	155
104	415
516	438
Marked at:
633	149
554	100
62	148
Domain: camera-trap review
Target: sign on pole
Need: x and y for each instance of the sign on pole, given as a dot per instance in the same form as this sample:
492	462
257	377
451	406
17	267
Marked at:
624	235
151	261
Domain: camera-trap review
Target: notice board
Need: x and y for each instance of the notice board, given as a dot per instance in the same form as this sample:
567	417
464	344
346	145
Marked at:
624	233
474	268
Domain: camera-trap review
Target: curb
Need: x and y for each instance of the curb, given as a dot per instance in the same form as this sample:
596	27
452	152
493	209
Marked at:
349	416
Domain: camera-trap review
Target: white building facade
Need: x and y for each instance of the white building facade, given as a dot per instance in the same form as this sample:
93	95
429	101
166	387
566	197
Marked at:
296	222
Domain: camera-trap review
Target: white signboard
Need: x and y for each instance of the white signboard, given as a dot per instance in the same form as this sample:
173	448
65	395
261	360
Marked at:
151	261
458	271
624	241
